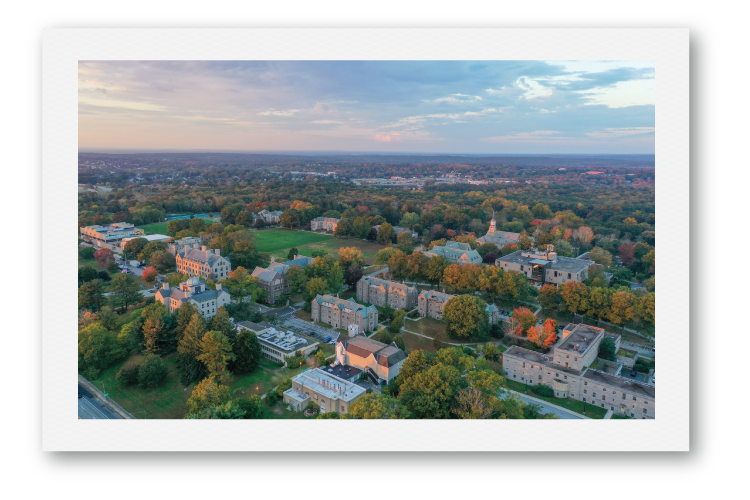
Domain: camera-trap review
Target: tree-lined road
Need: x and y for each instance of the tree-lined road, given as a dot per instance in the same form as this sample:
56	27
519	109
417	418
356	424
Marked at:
90	407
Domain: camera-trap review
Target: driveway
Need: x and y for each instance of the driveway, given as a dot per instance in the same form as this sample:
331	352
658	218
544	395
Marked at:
311	329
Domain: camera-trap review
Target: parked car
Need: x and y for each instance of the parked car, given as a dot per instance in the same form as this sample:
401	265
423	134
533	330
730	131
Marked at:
633	373
327	339
80	396
653	378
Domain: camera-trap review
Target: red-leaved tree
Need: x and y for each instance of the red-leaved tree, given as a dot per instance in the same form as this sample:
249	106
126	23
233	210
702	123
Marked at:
149	274
104	256
525	317
544	335
627	253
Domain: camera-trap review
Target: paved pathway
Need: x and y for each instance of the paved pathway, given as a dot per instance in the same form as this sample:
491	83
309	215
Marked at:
546	407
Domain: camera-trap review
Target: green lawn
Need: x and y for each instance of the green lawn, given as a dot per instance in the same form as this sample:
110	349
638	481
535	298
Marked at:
305	315
427	326
369	248
626	353
570	404
170	400
274	240
617	416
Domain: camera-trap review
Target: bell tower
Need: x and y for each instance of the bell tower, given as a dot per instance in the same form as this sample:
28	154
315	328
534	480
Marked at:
493	224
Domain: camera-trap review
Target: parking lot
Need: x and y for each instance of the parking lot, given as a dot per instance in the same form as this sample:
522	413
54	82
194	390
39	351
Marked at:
317	332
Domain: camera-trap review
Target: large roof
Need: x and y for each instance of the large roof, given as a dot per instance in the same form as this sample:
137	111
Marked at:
350	303
563	264
441	296
390	285
364	347
195	254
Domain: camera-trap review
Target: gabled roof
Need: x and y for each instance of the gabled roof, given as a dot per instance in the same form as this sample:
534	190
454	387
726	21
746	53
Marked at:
208	256
439	296
264	274
351	303
364	347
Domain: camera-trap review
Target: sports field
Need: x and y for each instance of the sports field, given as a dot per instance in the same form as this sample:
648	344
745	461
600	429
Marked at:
278	242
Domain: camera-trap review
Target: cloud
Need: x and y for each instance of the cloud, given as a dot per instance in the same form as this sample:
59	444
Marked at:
114	103
456	98
273	112
418	121
616	133
536	135
393	136
328	122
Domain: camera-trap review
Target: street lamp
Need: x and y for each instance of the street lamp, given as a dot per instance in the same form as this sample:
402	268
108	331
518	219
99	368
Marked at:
103	387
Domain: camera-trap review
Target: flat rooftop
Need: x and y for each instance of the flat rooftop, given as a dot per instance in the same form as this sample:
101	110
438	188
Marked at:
280	339
538	358
329	385
582	336
563	264
342	371
637	388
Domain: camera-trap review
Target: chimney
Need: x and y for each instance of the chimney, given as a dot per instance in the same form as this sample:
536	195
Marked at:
218	287
203	248
217	251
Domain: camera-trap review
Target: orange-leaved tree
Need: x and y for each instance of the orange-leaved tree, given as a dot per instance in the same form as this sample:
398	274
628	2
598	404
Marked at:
544	335
149	274
525	317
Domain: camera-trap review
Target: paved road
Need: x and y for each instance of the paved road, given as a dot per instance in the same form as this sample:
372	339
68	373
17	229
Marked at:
90	407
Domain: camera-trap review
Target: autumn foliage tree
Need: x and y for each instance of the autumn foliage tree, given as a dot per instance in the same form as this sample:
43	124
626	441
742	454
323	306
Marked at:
544	335
104	256
525	317
149	274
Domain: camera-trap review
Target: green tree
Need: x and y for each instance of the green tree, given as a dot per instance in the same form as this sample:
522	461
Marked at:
351	256
399	341
184	316
87	273
86	253
398	265
125	290
466	317
154	331
209	392
344	228
319	358
152	372
162	260
296	278
91	295
435	268
375	406
335	279
293	252
361	228
189	348
242	286
405	242
247	351
151	247
386	234
351	276
491	351
549	297
607	349
384	255
216	353
315	287
98	348
223	324
432	393
410	219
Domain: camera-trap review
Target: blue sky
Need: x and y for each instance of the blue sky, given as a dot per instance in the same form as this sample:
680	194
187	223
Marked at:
390	106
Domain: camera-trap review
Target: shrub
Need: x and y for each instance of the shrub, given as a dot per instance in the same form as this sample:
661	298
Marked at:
543	390
86	253
91	373
152	372
128	374
641	366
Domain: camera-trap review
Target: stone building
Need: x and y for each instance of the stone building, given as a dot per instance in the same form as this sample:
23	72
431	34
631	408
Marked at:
269	218
203	262
331	393
546	267
399	230
381	362
272	279
567	370
176	246
194	291
430	303
456	252
493	313
327	224
340	313
380	292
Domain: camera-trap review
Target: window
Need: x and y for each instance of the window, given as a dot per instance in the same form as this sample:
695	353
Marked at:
633	398
585	383
584	391
584	400
623	395
566	377
594	394
540	377
644	410
569	276
524	365
603	398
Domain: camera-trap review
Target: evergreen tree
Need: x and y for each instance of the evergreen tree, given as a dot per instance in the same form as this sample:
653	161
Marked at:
222	323
188	350
247	352
216	353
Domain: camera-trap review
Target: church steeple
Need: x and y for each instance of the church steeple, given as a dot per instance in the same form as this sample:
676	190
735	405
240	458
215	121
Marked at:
493	224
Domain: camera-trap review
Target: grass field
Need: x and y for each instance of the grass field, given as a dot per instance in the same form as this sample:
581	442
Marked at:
155	228
427	326
279	241
170	400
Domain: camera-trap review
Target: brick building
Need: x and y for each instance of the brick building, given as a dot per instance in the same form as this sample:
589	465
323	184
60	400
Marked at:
430	303
272	279
546	267
197	293
324	224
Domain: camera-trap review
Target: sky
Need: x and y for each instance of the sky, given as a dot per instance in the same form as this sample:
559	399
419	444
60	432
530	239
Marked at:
475	107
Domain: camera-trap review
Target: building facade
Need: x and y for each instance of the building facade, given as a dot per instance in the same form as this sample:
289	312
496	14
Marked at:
194	291
327	224
340	313
110	235
546	267
272	279
567	370
176	246
456	252
431	303
381	362
208	264
331	393
380	292
278	344
268	218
